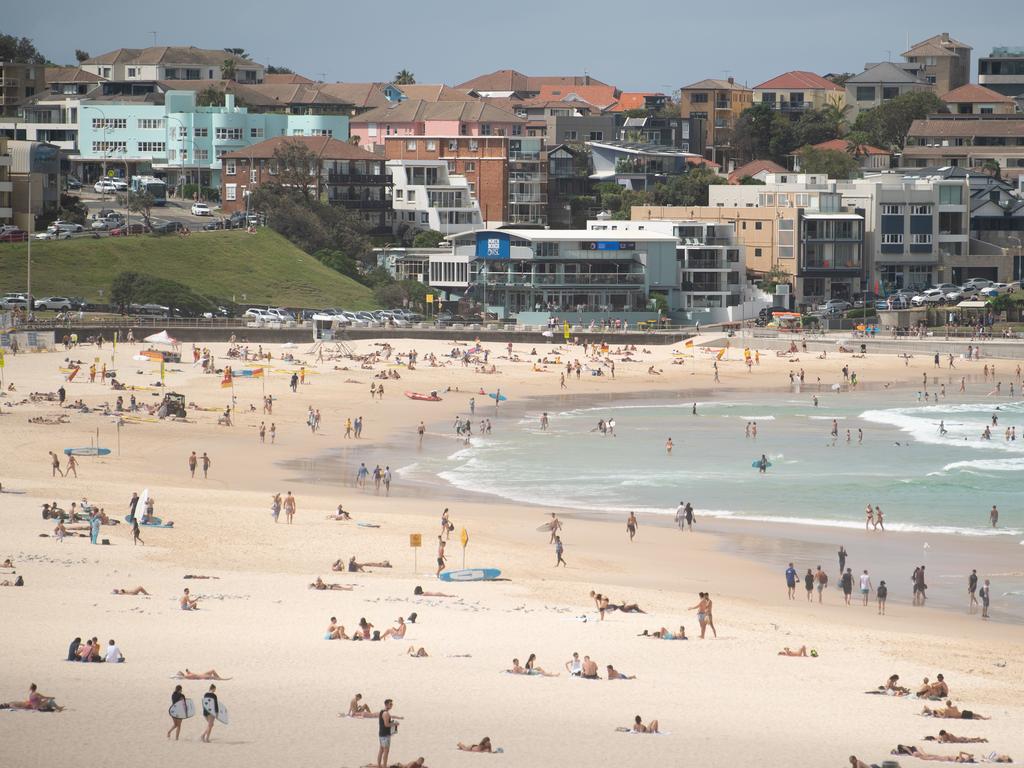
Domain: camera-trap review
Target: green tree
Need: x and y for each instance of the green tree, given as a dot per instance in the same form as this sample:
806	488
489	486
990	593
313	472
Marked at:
814	127
19	50
837	165
210	97
141	203
889	122
272	70
227	69
427	239
339	262
691	188
991	167
297	168
762	133
239	52
750	181
123	290
81	55
402	293
840	78
404	77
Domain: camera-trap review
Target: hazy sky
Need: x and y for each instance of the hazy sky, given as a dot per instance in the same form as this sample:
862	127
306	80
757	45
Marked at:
652	45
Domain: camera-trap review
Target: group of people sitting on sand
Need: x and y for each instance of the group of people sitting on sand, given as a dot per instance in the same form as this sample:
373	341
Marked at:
353	567
530	668
366	631
586	668
93	651
937	690
639	727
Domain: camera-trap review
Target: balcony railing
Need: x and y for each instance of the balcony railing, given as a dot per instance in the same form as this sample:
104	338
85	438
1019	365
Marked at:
722	105
524	155
356	178
359	204
515	197
624	280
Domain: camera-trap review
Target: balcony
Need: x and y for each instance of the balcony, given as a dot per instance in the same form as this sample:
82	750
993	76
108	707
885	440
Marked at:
513	156
722	105
359	204
793	106
516	197
355	178
613	279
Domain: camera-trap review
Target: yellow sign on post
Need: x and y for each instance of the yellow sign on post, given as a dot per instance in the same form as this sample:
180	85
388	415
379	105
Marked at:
429	298
464	538
1	358
415	539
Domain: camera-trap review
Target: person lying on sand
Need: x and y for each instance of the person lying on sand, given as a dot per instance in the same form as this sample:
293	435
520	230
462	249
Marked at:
945	737
417	763
320	584
665	634
419	592
855	763
787	652
7	563
950	712
192	576
483	746
36	701
959	757
136	591
357	709
417	653
208	675
614	674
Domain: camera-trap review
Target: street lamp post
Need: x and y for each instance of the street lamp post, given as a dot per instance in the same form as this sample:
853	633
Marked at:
181	134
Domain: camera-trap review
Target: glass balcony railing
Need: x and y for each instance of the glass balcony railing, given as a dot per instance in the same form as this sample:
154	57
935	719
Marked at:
627	280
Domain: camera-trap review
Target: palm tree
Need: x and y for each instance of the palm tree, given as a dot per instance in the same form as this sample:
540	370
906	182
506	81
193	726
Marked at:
404	77
835	113
227	69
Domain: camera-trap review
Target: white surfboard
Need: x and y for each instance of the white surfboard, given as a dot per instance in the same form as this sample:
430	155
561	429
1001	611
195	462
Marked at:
222	711
140	506
182	710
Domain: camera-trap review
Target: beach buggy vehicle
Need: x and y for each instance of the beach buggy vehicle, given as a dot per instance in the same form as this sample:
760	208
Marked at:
173	404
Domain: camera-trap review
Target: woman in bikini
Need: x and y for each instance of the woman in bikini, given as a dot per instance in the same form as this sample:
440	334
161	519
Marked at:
483	746
208	675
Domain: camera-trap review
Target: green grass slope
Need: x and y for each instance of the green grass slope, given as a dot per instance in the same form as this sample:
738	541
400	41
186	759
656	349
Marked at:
227	265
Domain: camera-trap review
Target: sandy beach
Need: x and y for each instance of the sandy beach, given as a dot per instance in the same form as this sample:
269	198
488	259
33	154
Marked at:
725	701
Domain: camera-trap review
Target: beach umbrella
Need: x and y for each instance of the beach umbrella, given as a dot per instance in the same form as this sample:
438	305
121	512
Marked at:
162	338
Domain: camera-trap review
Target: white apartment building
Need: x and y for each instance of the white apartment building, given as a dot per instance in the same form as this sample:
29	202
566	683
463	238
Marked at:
425	196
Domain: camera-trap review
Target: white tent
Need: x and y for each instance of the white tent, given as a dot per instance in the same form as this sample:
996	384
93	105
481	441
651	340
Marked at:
162	338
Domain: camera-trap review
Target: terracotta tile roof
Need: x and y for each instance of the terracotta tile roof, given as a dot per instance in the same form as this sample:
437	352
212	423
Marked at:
634	100
512	80
798	80
418	110
602	96
968	127
435	92
842	145
936	46
360	95
71	75
971	93
753	168
321	146
169	54
286	78
714	85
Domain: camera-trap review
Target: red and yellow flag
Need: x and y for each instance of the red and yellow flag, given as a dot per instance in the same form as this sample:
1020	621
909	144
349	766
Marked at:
226	381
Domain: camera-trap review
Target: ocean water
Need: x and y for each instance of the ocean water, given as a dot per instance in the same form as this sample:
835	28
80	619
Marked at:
922	480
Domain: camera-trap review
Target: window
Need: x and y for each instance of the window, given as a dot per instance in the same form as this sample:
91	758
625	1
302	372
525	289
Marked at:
411	144
786	225
699	98
253	175
470	166
431	145
109	124
796	97
132	71
890	92
474	144
322	132
472	187
109	146
485	129
891	209
230	191
151	122
202	154
399	194
201	133
424	217
785	251
411	197
371	129
950	194
892	239
152	146
295	131
803	200
255	133
757	225
229	167
920	210
921	239
517	130
597	135
865	93
569	135
232	134
453	145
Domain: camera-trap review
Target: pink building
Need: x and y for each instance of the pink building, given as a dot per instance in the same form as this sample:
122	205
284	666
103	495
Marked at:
415	117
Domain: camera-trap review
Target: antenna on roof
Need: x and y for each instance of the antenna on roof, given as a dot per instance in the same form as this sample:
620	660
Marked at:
153	33
323	76
888	54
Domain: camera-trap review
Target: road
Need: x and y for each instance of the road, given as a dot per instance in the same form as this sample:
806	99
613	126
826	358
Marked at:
174	210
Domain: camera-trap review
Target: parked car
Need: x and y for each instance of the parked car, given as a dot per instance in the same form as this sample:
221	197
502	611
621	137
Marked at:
58	303
834	307
110	185
169	228
14	302
970	289
216	224
110	221
13	235
129	229
53	235
72	183
158	310
354	319
201	209
282	315
931	296
996	289
978	282
65	226
255	313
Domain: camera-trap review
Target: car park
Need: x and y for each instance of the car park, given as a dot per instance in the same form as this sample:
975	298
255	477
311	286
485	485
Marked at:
201	209
129	229
57	303
14	301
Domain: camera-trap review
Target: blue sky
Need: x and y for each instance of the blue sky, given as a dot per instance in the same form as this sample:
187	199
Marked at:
652	45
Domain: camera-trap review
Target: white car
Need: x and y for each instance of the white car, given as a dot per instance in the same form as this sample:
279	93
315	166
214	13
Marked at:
931	296
259	314
996	289
110	185
978	282
53	235
54	302
65	226
281	315
201	209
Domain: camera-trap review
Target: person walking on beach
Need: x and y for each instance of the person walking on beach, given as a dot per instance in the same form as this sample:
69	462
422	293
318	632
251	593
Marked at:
865	586
176	696
73	467
559	549
55	465
631	525
441	559
192	463
689	516
869	516
842	558
289	507
263	432
556	526
385	728
984	594
809	583
681	516
882	594
972	587
136	537
387	480
275	506
420	431
993	516
878	523
273	432
206	464
211	708
791	582
361	475
847	583
820	581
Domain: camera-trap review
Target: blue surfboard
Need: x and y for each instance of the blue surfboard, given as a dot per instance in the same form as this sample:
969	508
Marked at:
90	451
498	397
756	464
471	574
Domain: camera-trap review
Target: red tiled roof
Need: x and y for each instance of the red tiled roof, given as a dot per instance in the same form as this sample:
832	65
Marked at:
842	145
633	100
971	93
798	79
753	168
602	96
287	78
322	146
511	80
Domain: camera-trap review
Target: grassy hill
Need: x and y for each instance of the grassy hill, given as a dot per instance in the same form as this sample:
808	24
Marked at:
225	265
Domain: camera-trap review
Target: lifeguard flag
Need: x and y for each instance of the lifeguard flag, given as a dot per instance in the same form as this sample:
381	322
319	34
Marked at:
226	381
689	343
257	372
162	373
720	353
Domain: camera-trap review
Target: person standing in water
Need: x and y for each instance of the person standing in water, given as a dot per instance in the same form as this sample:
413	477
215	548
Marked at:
993	516
842	558
669	446
984	594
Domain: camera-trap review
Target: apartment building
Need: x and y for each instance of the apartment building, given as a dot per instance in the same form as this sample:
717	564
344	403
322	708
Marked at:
719	103
796	92
967	141
974	99
879	83
507	176
36	165
173	62
343	175
941	61
415	117
180	140
1003	71
425	196
637	165
6	186
18	83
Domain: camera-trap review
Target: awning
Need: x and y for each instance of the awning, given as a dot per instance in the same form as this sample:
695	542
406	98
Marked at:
162	338
973	304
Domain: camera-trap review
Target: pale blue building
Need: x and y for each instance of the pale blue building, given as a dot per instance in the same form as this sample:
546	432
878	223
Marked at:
179	141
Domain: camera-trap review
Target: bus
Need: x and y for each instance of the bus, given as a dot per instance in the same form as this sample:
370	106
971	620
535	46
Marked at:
156	187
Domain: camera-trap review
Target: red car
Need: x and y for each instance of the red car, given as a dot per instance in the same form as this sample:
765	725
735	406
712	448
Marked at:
13	236
132	229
